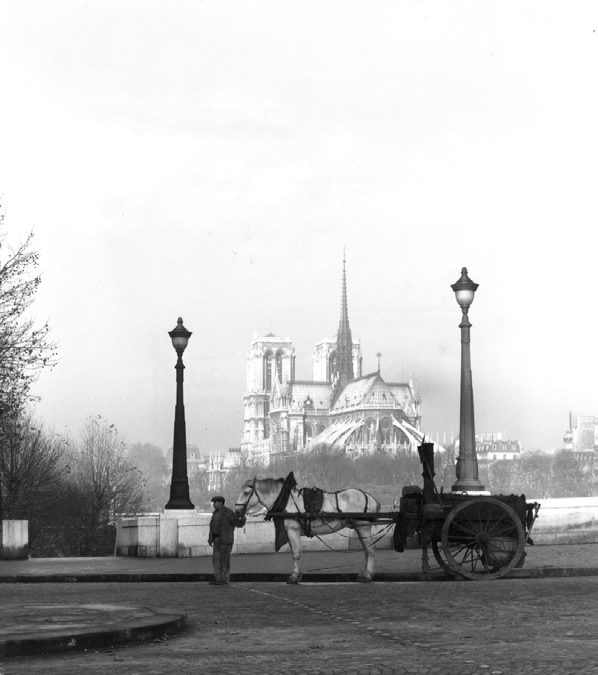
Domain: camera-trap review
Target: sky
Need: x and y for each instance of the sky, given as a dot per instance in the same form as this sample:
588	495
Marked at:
212	160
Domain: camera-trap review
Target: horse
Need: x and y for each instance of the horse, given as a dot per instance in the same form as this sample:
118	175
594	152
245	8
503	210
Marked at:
259	495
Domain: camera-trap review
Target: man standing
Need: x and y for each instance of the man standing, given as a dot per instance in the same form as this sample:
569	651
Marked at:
221	538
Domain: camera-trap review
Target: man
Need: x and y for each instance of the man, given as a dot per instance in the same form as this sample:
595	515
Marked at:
221	538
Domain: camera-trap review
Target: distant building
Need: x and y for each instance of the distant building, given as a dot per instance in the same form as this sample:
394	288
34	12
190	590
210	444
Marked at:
582	434
491	447
582	438
339	408
213	465
233	457
196	459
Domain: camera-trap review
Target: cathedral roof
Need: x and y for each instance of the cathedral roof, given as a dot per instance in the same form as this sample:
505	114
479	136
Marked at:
270	337
402	392
319	392
369	389
332	341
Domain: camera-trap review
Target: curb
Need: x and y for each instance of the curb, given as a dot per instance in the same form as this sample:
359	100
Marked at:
68	641
552	572
314	577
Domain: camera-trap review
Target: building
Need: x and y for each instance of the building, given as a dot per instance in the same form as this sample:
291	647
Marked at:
196	460
339	408
582	434
582	438
211	466
491	447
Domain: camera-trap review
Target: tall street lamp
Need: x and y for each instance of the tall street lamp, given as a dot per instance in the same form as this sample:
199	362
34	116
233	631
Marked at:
179	485
467	462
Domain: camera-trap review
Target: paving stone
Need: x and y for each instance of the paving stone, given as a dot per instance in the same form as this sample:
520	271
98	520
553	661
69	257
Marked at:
531	626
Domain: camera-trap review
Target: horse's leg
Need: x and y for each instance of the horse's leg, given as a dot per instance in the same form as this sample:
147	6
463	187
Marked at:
294	536
364	532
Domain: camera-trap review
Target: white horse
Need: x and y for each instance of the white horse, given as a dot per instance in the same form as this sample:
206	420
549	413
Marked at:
260	494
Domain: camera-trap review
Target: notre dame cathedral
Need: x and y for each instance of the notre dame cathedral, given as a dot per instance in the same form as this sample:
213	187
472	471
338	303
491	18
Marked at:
340	409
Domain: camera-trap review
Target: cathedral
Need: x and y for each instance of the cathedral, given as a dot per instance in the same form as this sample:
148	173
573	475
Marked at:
340	409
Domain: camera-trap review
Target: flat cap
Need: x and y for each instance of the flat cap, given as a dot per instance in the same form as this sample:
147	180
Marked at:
217	498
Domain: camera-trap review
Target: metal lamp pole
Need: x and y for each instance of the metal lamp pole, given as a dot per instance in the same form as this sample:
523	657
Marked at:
467	461
179	485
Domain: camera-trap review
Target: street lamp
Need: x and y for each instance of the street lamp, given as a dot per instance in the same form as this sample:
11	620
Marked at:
179	485
467	462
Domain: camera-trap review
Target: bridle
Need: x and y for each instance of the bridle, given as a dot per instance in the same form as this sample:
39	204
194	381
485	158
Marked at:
243	506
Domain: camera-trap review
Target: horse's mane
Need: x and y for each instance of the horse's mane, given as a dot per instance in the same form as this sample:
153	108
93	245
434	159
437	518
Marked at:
269	483
265	483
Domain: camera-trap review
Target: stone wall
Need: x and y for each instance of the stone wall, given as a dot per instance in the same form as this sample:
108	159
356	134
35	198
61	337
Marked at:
560	521
187	536
567	521
15	539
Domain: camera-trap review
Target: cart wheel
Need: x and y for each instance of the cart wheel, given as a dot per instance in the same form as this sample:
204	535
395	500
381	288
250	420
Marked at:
482	539
441	560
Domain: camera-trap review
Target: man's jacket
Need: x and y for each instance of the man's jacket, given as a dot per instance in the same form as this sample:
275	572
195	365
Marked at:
222	526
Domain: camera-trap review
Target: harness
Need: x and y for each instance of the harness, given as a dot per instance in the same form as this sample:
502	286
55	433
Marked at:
243	506
365	496
304	518
290	483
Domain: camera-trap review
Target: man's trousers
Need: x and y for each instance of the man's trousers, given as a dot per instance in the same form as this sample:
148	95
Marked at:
221	561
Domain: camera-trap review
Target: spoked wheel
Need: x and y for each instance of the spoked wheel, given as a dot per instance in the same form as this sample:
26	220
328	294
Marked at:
482	539
438	552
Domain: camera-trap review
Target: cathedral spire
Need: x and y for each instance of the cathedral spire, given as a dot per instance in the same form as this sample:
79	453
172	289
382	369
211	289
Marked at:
344	341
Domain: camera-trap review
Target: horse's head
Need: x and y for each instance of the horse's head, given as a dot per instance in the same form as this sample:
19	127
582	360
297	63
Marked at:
258	494
248	497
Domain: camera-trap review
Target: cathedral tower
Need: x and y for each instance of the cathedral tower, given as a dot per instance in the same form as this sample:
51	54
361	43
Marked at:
325	357
271	360
343	366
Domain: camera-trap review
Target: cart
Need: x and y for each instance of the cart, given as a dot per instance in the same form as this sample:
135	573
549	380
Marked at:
472	536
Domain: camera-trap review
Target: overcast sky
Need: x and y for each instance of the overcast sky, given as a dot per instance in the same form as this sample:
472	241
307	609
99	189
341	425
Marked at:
211	159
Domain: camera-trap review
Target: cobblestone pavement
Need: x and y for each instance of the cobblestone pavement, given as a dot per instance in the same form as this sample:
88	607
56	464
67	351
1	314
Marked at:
531	626
328	562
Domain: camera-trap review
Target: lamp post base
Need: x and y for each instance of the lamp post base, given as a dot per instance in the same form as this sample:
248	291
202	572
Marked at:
468	485
179	496
179	503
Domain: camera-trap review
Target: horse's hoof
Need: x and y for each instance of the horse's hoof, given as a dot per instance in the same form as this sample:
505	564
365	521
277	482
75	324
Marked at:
290	580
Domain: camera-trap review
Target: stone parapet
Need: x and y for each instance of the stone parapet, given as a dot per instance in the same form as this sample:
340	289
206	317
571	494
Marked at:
567	521
15	539
186	536
560	521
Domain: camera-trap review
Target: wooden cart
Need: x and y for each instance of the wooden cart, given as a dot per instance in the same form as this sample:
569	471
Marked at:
473	536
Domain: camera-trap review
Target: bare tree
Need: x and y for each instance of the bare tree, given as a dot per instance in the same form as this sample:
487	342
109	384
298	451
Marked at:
151	462
107	482
569	476
199	487
30	460
533	475
502	476
25	348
